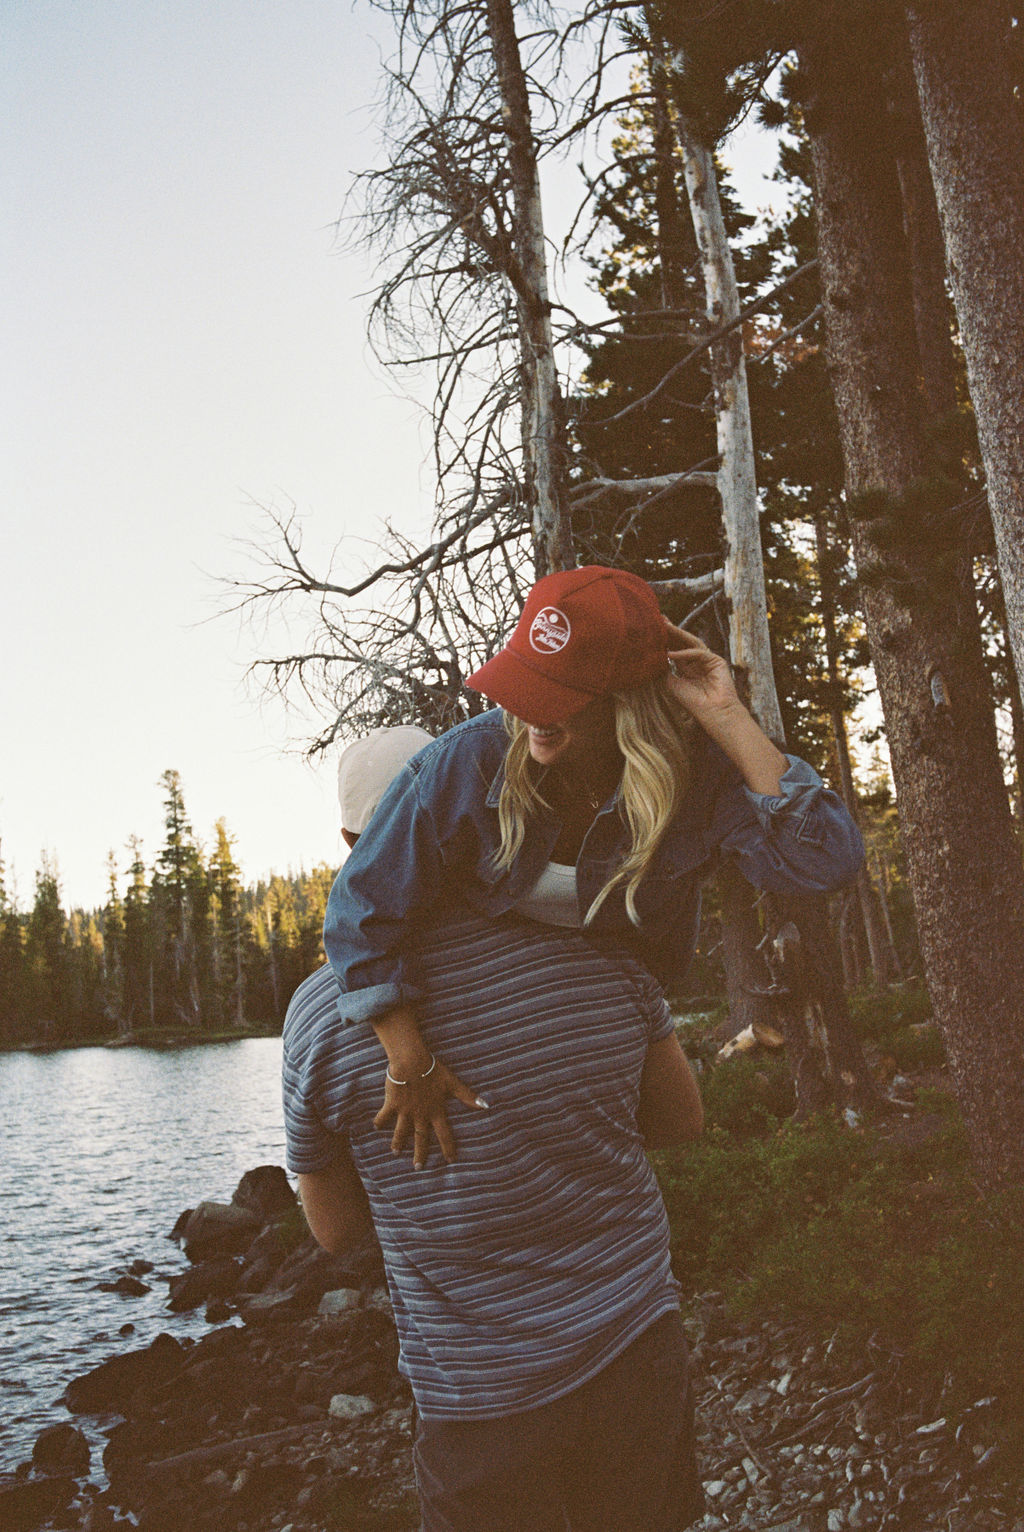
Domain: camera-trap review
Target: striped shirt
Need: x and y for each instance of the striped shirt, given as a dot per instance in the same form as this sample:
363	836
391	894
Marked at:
527	1266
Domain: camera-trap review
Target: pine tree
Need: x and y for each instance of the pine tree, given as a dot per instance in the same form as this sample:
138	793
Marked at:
139	956
13	976
228	924
46	942
114	995
179	885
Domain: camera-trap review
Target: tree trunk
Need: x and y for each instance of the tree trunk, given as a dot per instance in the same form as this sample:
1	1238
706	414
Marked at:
962	54
926	253
750	646
884	963
544	455
920	614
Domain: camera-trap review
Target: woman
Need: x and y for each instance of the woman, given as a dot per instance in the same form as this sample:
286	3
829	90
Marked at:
622	766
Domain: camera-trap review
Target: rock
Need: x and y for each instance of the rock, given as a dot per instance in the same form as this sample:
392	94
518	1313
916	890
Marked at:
267	1306
350	1406
338	1301
380	1299
27	1505
128	1287
140	1268
178	1232
712	1489
217	1312
128	1329
110	1385
265	1192
62	1450
210	1279
219	1229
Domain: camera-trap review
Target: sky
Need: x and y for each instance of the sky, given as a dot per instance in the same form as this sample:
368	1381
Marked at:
182	341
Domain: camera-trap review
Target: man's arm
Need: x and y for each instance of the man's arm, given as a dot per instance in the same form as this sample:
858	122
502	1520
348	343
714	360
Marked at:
335	1204
670	1110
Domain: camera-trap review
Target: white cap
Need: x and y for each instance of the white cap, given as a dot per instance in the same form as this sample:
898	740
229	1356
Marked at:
367	767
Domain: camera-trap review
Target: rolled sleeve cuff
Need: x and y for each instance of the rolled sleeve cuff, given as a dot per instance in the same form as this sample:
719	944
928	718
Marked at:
363	1005
799	785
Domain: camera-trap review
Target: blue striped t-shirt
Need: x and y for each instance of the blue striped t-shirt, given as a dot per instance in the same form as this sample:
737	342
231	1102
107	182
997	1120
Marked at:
527	1266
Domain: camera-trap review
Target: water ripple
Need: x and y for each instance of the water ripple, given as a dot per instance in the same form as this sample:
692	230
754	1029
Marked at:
102	1149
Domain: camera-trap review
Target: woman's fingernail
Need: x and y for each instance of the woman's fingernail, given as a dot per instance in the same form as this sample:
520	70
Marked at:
418	1166
481	1102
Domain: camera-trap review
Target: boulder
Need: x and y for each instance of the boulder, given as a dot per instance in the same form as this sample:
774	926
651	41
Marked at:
178	1232
266	1307
128	1287
207	1280
265	1192
28	1504
217	1229
62	1450
110	1385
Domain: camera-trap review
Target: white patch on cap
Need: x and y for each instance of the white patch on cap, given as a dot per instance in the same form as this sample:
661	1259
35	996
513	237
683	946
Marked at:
549	631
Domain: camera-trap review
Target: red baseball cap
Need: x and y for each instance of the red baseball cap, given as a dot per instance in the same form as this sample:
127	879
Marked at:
583	633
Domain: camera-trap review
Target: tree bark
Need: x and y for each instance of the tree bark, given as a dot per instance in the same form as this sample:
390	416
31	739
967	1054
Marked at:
884	963
919	607
750	645
962	53
544	456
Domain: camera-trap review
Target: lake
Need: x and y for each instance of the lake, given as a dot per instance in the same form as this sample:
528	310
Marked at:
102	1148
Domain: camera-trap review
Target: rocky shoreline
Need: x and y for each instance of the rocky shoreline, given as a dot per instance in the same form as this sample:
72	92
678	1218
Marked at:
289	1414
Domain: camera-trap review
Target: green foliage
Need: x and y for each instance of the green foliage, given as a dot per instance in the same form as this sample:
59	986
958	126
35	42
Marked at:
899	1022
863	1238
747	1095
185	950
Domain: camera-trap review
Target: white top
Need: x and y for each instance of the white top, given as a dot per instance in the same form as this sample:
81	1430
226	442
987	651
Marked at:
552	899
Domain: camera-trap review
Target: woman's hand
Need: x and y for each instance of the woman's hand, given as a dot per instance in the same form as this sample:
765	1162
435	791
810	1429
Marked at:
417	1104
701	680
418	1107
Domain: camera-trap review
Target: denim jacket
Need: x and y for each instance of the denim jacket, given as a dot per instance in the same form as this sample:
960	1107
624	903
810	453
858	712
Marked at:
430	849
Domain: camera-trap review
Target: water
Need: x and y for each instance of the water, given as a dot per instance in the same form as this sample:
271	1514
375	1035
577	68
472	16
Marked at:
100	1150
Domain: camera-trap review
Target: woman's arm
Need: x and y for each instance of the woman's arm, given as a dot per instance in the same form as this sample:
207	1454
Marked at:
702	682
416	1087
787	831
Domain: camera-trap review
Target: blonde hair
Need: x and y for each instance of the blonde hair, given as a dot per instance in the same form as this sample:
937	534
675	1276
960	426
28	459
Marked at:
654	737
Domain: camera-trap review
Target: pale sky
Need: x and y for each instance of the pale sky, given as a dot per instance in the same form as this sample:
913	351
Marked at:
181	337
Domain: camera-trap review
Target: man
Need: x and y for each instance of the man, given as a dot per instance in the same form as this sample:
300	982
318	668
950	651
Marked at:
536	1309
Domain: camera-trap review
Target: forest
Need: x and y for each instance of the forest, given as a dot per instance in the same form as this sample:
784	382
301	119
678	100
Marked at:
806	431
180	948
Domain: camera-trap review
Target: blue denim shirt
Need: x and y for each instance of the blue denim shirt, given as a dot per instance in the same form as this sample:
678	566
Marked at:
430	849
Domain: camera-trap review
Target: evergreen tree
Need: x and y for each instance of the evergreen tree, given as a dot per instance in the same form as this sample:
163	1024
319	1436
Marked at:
13	976
114	997
139	977
228	929
46	943
180	903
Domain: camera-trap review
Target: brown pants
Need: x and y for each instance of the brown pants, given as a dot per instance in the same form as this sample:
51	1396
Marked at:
615	1455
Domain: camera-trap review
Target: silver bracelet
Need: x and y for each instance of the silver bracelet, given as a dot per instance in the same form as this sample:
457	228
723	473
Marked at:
390	1077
